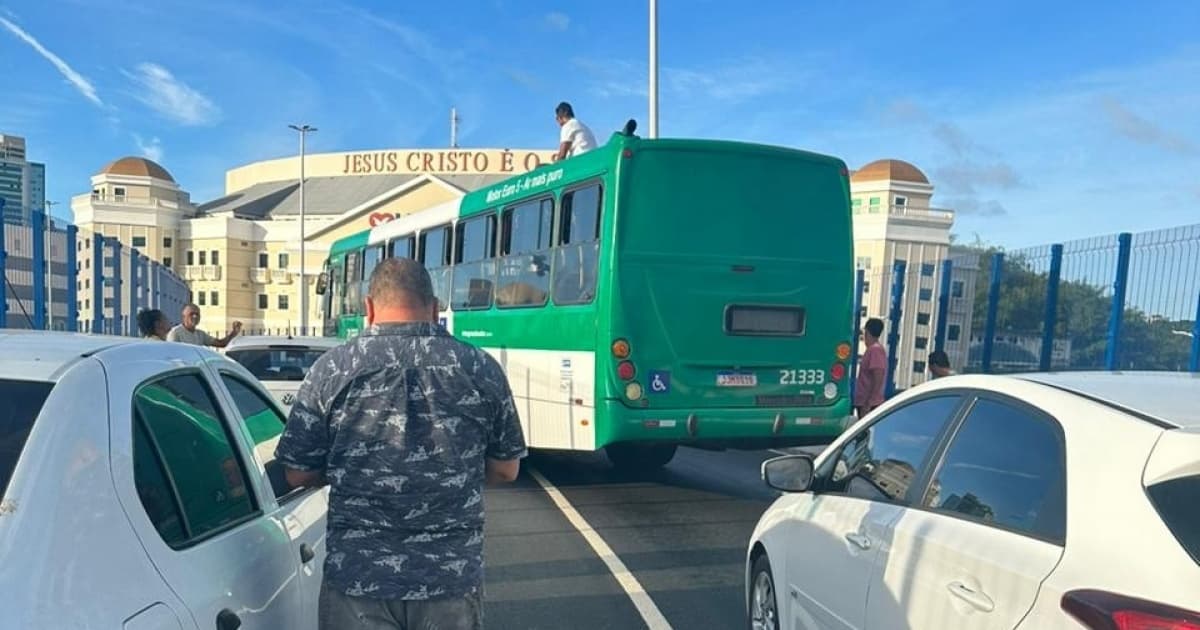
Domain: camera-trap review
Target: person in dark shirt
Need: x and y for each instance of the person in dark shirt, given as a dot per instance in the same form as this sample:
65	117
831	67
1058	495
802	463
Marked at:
405	424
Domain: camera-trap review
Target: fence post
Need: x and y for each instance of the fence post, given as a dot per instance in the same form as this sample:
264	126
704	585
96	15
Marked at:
117	286
3	271
38	234
1194	361
72	279
98	284
989	329
1117	316
1051	319
893	338
130	328
860	276
943	318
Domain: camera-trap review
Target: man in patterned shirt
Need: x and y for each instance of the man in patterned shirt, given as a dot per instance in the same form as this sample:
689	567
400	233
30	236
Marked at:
405	423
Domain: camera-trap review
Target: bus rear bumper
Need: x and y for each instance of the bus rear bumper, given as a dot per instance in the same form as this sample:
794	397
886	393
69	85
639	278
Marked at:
739	428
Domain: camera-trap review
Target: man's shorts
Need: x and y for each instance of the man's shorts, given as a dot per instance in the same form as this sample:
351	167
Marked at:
341	611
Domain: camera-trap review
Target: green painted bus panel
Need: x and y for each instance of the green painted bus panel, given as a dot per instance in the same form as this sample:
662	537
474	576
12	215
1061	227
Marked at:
565	328
358	240
721	425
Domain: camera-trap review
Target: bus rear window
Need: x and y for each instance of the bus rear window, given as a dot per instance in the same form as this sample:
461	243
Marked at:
23	401
1178	504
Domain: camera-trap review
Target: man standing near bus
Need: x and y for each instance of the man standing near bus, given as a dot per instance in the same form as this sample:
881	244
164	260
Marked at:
187	332
574	137
405	423
872	370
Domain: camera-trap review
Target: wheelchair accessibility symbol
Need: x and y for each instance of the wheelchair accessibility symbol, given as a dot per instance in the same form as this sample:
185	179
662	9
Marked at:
660	382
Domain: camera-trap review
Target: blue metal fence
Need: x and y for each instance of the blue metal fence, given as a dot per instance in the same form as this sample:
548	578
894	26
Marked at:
1119	302
57	277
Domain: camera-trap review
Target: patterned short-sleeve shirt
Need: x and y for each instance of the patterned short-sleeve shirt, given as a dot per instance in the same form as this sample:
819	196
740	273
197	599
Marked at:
400	419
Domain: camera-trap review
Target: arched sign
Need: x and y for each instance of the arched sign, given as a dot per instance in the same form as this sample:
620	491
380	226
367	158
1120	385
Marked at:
379	218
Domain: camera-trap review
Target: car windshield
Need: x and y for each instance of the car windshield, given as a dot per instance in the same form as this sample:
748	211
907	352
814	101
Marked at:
290	363
23	401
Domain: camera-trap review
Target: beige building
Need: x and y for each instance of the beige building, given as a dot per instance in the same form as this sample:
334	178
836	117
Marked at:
894	220
240	253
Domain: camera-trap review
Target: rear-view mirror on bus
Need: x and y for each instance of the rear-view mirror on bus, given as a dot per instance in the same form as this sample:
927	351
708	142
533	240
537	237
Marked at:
322	282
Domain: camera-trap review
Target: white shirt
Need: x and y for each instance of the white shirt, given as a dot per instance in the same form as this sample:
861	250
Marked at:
578	135
196	338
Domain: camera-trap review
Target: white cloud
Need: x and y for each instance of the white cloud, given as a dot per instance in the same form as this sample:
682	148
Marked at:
84	86
172	98
1132	126
557	21
152	150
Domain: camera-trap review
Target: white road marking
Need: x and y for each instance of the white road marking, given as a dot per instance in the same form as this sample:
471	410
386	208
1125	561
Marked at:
641	599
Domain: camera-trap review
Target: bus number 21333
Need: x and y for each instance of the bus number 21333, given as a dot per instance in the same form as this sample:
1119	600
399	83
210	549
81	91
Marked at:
801	377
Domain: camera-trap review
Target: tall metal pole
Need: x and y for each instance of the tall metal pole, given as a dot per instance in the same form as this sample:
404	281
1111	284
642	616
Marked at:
304	130
653	68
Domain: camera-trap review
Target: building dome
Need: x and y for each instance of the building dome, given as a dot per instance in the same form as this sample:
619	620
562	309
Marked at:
894	170
136	167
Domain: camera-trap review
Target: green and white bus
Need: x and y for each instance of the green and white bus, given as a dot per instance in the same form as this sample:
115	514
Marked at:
647	294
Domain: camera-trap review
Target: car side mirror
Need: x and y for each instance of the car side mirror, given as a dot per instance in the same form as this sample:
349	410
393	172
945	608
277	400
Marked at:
322	283
789	473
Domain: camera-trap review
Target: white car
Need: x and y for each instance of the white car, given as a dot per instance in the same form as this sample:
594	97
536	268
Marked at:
138	489
280	363
1038	501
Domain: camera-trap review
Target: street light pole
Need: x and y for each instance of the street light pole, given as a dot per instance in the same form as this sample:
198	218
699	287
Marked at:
653	68
304	131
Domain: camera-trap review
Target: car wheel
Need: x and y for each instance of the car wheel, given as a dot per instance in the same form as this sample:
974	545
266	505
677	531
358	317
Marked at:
764	609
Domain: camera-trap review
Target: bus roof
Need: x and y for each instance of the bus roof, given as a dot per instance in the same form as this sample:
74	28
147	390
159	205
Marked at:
549	176
355	241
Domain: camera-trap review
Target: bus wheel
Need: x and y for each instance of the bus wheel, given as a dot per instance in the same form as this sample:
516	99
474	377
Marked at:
640	457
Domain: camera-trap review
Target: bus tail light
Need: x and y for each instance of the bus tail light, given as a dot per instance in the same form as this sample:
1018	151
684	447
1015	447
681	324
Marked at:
626	370
837	372
843	351
633	391
620	349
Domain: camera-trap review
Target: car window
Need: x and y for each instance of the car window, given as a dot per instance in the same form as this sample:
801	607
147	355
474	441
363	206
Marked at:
263	424
1005	466
23	401
186	469
882	461
1178	504
279	363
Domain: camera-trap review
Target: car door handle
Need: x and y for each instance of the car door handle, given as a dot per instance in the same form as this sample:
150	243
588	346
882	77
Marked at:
859	540
227	620
975	598
306	553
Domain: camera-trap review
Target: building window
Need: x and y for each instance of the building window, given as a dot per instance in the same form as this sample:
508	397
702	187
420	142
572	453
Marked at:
927	269
216	257
862	312
926	294
901	200
953	331
119	193
922	343
956	289
213	299
263	260
203	258
866	286
919	367
262	301
200	298
108	302
283	302
874	201
923	319
283	260
166	261
191	258
863	262
167	242
139	241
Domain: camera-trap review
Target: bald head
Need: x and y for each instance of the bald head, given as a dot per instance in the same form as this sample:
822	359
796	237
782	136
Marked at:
401	283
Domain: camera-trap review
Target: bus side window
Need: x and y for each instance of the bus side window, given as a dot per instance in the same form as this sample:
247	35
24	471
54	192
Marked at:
577	256
352	303
524	275
435	255
400	247
474	263
371	257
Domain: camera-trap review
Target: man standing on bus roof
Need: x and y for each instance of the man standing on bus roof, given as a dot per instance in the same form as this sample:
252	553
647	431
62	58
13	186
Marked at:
405	423
574	138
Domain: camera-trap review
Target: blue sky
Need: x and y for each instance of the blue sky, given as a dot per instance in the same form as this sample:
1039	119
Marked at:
1036	122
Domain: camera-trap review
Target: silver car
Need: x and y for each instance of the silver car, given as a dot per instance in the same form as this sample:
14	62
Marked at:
279	363
139	490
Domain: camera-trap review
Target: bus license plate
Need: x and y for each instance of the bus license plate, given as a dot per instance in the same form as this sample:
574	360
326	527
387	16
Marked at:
737	379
